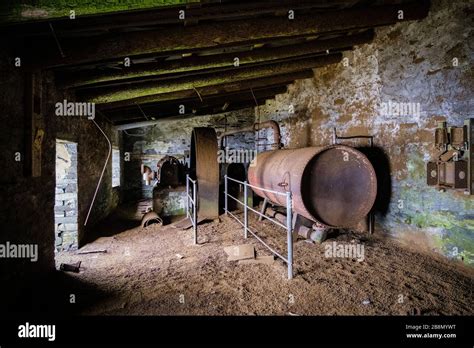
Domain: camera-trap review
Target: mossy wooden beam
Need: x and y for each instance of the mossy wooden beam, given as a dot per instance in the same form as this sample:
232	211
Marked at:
14	11
204	92
157	13
191	64
123	92
177	107
208	35
204	111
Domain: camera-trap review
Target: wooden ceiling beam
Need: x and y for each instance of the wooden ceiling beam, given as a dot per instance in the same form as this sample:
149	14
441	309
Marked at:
203	111
158	110
150	18
234	86
184	39
199	63
143	89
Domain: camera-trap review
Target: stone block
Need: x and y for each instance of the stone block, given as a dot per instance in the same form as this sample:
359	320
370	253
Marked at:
67	227
66	196
71	188
71	213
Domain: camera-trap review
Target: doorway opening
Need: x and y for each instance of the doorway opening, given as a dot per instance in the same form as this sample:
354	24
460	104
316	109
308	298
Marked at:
65	208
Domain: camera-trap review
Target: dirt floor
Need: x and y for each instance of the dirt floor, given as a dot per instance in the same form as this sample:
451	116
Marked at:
158	271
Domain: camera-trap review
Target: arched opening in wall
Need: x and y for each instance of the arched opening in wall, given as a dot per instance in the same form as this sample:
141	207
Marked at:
65	207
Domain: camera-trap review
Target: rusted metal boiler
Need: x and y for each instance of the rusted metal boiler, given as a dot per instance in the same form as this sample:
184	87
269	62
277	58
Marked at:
335	185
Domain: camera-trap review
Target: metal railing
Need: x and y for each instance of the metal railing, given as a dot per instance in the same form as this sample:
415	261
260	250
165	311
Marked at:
289	259
191	215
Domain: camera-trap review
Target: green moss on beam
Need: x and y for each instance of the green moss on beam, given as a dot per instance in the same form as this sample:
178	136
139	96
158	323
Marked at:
218	61
118	93
31	10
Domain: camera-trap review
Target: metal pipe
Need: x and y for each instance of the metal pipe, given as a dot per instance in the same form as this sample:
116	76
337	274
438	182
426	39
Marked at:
371	218
264	207
137	125
141	124
258	188
246	217
194	212
336	137
289	234
187	195
266	245
225	194
102	174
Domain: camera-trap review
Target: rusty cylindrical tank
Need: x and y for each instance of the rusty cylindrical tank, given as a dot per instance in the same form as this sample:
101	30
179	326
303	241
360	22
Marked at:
334	185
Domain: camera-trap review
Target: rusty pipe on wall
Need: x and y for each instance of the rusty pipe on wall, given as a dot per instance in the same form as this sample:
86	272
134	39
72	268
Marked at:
334	185
255	128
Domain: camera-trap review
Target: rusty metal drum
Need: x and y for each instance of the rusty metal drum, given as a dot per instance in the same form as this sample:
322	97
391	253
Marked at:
334	185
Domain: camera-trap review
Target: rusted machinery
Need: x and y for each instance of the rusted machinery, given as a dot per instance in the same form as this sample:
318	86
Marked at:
334	186
151	218
168	183
169	172
454	164
147	174
205	168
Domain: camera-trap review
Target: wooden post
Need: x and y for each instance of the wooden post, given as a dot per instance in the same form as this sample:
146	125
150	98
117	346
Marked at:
34	123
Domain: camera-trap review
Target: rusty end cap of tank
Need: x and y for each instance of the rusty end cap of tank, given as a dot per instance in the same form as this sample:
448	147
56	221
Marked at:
339	186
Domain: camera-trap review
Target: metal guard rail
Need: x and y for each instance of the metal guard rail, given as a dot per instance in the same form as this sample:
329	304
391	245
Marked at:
289	259
191	215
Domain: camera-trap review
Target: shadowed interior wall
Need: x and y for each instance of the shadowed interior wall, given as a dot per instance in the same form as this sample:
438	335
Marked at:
27	203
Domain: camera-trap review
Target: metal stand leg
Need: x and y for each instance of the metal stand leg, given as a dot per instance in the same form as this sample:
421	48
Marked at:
194	213
187	195
371	218
225	194
264	208
293	226
289	235
246	218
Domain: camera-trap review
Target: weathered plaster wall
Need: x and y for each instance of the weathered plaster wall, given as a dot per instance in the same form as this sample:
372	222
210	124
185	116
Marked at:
406	63
173	138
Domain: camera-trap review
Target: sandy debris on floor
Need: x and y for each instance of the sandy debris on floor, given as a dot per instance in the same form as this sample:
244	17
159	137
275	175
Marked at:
142	274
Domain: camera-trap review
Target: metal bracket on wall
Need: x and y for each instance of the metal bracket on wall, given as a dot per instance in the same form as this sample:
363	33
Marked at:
453	167
469	125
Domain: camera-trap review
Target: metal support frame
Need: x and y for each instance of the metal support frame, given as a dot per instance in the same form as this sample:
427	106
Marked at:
225	195
264	208
469	124
192	216
288	226
246	215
